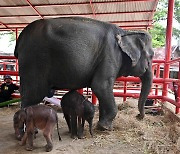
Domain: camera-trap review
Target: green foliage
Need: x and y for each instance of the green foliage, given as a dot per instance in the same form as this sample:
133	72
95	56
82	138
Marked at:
11	35
158	30
177	10
158	35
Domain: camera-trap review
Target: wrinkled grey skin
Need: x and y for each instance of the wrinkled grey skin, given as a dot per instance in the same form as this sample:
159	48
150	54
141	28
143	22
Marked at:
77	109
37	116
18	123
73	53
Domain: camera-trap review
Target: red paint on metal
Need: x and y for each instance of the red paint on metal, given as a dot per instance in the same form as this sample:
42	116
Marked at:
178	93
7	27
168	44
92	8
94	99
28	1
7	57
125	90
157	76
70	4
80	91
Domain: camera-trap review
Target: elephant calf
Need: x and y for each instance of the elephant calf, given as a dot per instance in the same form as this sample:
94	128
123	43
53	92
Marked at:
37	116
75	106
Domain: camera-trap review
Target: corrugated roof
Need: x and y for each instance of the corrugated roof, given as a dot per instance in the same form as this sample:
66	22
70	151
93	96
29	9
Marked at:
129	14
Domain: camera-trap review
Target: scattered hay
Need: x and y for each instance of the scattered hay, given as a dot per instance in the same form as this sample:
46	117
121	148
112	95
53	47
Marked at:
158	134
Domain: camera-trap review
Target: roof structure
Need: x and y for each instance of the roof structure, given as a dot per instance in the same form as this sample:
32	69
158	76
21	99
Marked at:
129	14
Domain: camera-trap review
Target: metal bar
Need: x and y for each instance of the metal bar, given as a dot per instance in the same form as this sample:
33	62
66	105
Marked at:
17	69
80	91
94	99
92	8
5	72
165	98
157	76
6	26
158	61
7	57
28	1
70	14
155	80
174	60
113	22
178	93
125	90
70	4
168	44
124	26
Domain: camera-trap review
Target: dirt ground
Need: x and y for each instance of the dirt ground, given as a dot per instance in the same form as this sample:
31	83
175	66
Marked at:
156	134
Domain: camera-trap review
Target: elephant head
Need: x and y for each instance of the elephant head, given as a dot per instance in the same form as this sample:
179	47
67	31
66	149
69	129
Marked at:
137	45
18	122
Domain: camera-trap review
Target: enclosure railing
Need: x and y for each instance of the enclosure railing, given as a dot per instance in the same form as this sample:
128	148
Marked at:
125	86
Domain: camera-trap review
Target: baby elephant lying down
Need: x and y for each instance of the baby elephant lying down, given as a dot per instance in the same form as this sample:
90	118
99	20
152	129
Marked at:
38	116
75	106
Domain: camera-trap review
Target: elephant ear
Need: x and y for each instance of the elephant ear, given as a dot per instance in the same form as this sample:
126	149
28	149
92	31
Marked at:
129	45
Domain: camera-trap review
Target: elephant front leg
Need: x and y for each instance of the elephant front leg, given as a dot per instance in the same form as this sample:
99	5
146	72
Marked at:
80	127
30	137
107	107
90	121
24	139
73	125
68	121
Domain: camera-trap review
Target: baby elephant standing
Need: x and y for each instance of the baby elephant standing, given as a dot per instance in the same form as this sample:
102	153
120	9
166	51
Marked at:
38	116
75	106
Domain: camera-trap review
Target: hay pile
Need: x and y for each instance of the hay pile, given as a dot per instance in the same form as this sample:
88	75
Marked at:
155	134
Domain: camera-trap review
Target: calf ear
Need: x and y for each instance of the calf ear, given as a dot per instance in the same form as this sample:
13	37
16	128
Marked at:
128	44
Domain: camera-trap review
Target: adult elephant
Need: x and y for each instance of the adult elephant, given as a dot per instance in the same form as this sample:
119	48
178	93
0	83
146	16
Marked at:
76	52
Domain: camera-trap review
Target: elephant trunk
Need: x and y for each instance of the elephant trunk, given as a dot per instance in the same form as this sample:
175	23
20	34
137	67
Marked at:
145	89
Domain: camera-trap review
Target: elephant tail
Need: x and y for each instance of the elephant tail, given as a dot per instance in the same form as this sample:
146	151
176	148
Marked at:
58	128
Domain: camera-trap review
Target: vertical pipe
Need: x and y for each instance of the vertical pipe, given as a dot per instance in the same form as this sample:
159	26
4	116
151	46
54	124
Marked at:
168	44
16	59
125	90
94	98
80	91
178	93
157	76
4	66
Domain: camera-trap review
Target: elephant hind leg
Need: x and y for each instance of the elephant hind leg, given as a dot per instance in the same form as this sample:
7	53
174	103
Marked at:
48	136
68	121
32	93
103	89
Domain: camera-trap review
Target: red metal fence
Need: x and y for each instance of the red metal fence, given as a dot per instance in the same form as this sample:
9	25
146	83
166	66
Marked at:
125	86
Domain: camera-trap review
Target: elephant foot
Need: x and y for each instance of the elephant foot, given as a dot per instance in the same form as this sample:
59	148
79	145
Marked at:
49	147
139	117
81	137
73	136
19	137
102	126
28	148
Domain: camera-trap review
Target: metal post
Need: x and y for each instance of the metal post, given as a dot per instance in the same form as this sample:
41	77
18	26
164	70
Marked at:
178	92
94	98
125	90
80	91
168	44
157	76
17	69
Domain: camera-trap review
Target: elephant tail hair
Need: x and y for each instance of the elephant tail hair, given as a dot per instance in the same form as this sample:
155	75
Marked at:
58	128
